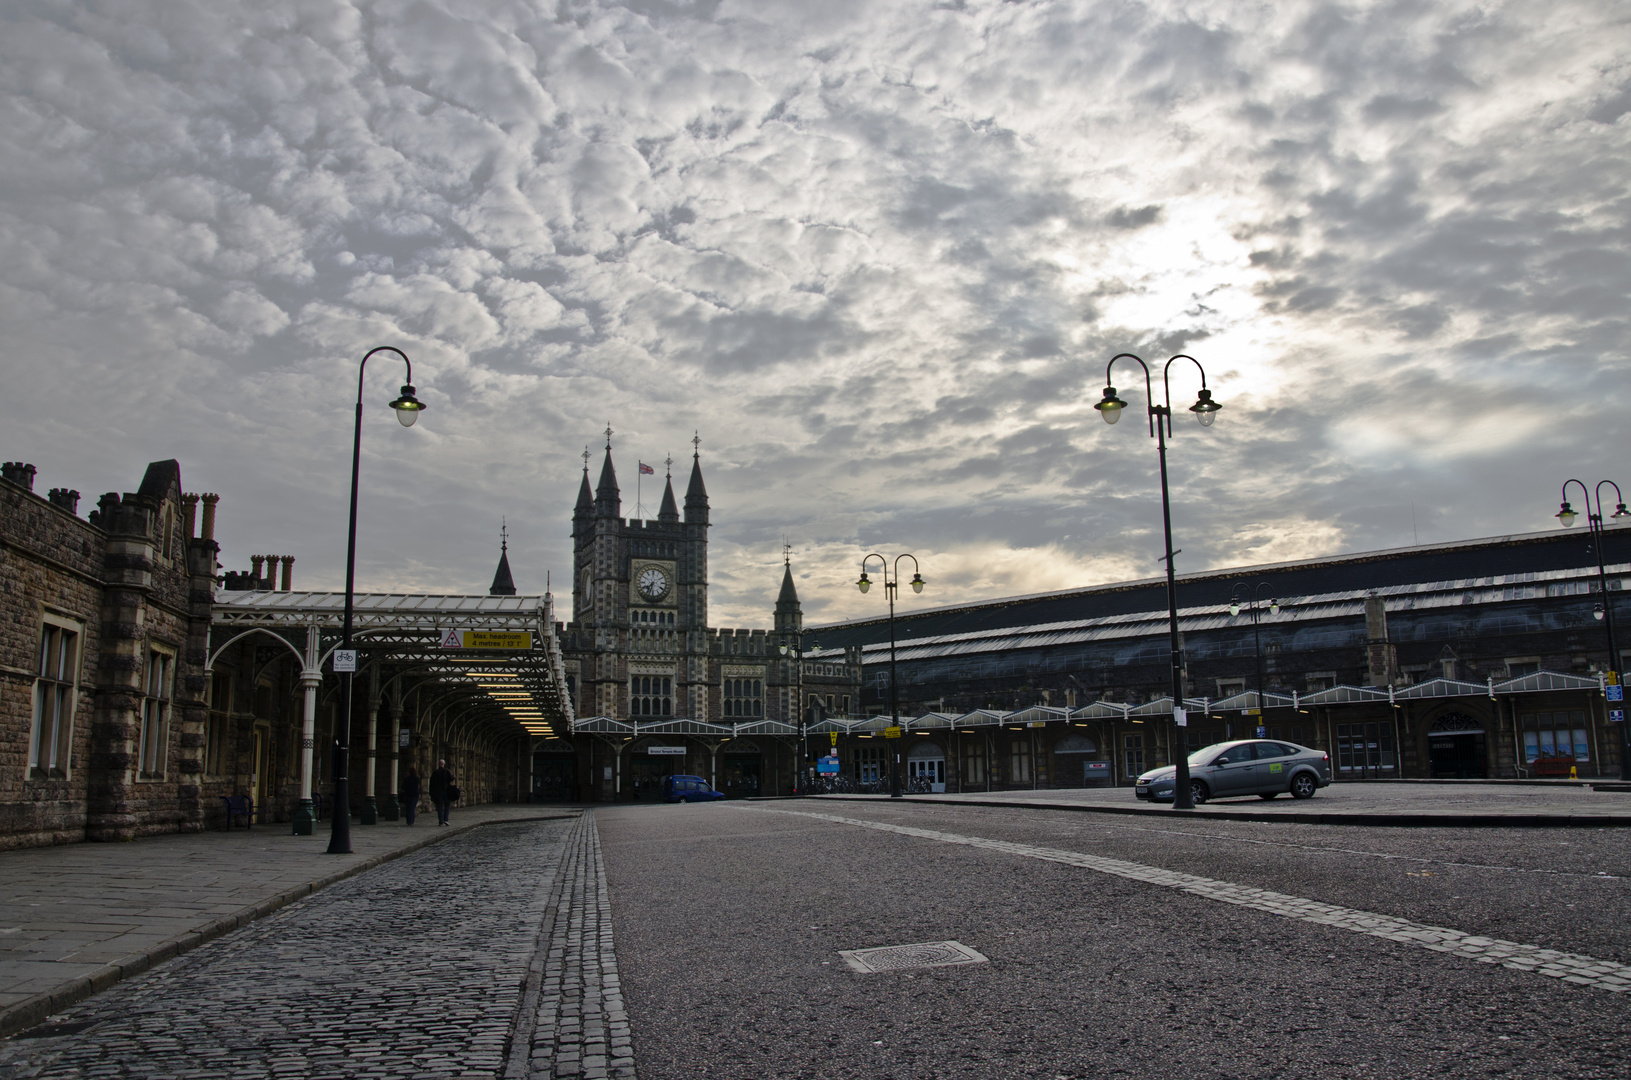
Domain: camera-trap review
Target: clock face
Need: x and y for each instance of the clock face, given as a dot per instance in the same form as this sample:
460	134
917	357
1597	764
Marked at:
652	583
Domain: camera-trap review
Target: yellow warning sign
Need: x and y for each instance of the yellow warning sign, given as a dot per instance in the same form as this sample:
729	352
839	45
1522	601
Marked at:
891	732
486	639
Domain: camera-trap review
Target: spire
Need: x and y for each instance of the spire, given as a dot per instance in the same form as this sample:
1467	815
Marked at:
586	497
696	495
670	511
789	616
607	501
503	583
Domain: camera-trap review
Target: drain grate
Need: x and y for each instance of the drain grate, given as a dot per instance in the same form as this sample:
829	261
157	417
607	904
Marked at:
899	957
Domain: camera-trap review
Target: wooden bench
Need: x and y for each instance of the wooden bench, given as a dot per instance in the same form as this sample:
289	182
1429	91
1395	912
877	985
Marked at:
239	806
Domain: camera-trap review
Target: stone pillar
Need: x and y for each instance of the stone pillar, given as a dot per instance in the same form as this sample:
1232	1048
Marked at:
370	809
192	710
111	812
388	807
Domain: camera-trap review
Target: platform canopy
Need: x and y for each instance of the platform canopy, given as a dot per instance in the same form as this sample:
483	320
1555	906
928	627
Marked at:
496	656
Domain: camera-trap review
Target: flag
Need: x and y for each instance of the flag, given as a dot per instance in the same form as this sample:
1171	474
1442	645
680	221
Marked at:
647	470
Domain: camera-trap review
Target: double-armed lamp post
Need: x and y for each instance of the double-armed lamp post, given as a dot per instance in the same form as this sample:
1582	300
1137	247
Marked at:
1252	598
1160	416
1605	610
890	585
408	407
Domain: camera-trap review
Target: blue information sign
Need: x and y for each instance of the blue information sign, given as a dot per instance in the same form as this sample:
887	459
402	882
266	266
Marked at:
1262	732
1616	716
826	765
1615	693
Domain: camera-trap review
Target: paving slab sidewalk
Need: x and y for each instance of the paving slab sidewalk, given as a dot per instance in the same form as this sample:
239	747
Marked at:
1381	803
76	919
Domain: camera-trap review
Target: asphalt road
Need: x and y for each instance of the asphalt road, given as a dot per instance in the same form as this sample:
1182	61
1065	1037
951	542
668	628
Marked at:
729	919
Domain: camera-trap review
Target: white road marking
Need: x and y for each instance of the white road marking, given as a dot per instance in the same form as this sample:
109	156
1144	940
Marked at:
1570	967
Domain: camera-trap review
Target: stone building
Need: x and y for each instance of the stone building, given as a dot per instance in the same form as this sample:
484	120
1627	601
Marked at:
102	688
1479	658
643	664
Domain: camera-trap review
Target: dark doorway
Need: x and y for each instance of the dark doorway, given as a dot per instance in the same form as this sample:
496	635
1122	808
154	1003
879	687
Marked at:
554	777
739	774
646	772
1456	756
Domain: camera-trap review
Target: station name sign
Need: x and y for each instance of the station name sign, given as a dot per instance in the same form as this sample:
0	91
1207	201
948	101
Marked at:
486	639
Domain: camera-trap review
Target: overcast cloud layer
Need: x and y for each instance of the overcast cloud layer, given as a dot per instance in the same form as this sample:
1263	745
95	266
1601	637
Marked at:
876	253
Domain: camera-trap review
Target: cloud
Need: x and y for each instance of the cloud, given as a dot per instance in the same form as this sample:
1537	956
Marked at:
877	254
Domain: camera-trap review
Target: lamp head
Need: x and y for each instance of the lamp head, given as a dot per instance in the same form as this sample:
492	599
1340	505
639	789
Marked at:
1567	515
408	407
1110	405
1620	511
1597	613
1274	607
1234	607
1205	409
917	583
864	584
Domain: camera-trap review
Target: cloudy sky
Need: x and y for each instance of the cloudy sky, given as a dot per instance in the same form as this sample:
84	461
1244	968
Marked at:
877	253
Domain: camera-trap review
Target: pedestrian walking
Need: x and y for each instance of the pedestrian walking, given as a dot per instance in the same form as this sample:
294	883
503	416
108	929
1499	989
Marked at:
410	793
441	791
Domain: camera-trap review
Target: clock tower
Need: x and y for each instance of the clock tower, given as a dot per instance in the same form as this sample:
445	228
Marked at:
638	643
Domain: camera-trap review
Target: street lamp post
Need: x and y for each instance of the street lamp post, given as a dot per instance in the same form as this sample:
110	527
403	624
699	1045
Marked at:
1253	596
407	409
890	585
795	649
1605	610
1160	417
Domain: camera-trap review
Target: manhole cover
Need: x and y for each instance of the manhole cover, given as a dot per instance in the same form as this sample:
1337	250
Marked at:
897	957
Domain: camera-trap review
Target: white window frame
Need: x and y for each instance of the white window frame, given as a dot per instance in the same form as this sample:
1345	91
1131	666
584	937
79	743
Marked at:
153	735
61	695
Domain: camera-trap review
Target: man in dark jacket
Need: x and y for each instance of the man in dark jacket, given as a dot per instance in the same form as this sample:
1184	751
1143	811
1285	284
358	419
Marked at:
441	791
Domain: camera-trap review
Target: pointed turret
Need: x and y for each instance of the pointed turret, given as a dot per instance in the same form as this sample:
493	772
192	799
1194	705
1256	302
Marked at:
586	497
503	583
608	502
789	616
670	512
696	495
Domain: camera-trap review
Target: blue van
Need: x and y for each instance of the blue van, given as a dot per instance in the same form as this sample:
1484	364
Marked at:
689	789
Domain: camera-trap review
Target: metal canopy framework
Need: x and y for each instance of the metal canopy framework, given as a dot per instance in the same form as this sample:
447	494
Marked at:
1434	689
409	635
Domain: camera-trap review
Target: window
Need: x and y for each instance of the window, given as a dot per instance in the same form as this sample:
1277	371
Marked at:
744	698
869	764
1231	687
157	684
843	709
974	760
1519	666
1365	748
1555	734
651	695
1133	748
217	724
1321	680
1019	760
54	698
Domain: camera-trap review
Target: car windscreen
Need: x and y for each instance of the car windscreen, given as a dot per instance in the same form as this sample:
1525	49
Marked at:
1205	754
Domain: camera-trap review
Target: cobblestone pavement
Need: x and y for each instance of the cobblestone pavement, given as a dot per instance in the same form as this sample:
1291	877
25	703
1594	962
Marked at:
1570	967
82	916
419	968
572	1021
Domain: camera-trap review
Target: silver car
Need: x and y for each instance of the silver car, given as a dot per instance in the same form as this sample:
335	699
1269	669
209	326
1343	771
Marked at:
1261	767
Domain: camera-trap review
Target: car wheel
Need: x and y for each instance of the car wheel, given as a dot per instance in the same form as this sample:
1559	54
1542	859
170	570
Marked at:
1303	786
1197	792
1267	794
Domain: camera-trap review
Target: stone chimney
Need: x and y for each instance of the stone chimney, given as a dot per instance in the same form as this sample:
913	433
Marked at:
1380	655
207	530
18	473
189	513
288	570
65	498
256	562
